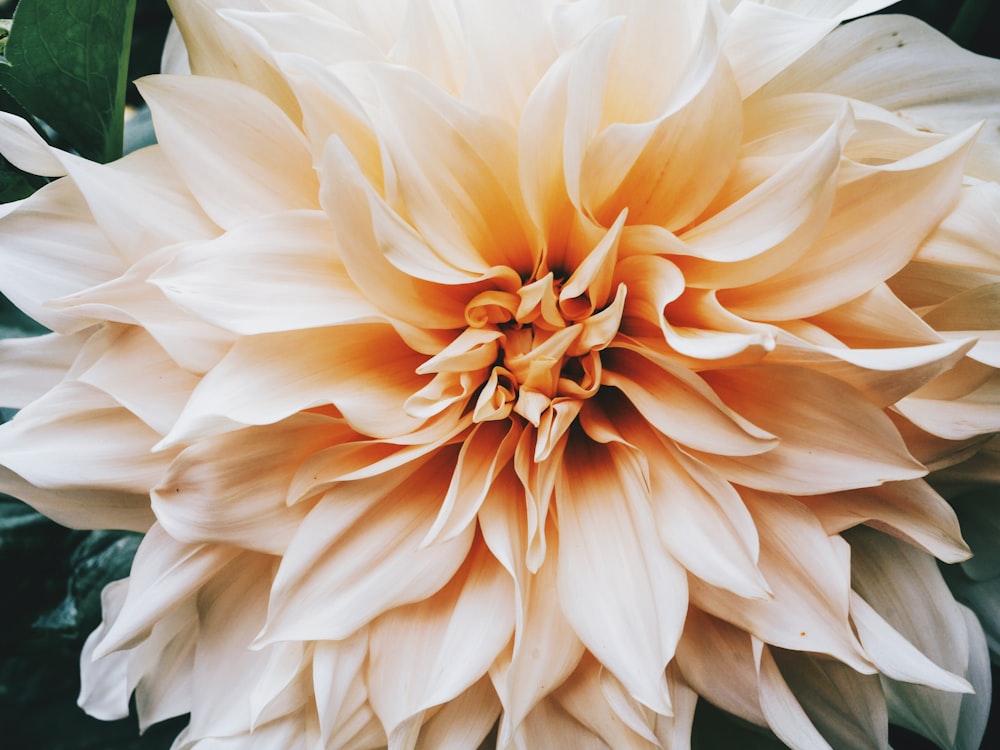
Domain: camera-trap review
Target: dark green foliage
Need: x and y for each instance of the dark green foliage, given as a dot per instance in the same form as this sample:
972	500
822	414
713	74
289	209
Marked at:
66	63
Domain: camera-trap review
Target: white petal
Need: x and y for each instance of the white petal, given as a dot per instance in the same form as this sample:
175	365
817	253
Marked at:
159	209
905	587
809	574
34	365
258	164
118	361
26	149
880	216
444	644
49	248
895	656
855	446
357	555
710	647
545	649
231	489
463	722
910	510
104	690
622	592
362	369
165	574
847	708
784	713
278	273
76	436
904	65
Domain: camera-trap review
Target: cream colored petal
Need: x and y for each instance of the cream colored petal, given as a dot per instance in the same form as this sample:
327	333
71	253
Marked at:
784	713
347	198
284	685
160	668
50	247
364	370
174	60
75	436
904	65
455	174
666	171
541	156
272	274
307	32
331	107
710	647
879	319
81	508
430	42
700	518
231	609
661	55
380	20
445	644
487	450
880	216
762	40
624	708
545	650
35	364
222	50
498	83
595	699
905	587
358	555
895	656
104	690
193	344
966	238
231	489
847	708
797	194
165	574
973	717
974	414
831	438
910	510
674	733
809	575
159	209
345	716
463	722
676	403
354	457
971	313
585	80
622	592
548	725
26	149
257	164
884	376
118	359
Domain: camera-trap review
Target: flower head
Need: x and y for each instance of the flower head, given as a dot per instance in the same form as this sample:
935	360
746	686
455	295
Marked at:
555	362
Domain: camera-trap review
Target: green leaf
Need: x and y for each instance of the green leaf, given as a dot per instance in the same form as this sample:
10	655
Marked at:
102	557
14	184
969	21
14	323
67	64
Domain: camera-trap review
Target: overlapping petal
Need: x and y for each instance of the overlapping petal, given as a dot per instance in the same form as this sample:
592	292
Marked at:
531	364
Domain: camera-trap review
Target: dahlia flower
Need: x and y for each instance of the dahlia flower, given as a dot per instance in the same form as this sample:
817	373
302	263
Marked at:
549	365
